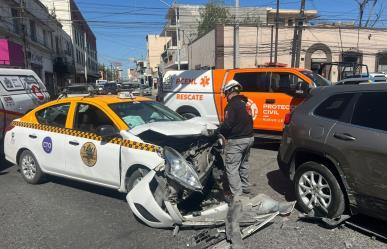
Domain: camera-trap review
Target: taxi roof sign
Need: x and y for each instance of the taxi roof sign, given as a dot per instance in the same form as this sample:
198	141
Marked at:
126	95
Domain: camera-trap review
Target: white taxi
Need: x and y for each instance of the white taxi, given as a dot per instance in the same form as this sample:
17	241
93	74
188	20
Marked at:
134	145
112	141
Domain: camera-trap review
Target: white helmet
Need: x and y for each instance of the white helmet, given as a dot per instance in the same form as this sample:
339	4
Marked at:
231	86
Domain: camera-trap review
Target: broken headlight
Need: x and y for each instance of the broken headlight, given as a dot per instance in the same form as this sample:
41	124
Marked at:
178	169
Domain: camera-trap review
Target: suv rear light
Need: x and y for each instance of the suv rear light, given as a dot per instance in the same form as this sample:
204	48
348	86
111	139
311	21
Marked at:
288	118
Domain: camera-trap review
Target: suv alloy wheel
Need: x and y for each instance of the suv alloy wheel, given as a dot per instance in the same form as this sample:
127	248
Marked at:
317	188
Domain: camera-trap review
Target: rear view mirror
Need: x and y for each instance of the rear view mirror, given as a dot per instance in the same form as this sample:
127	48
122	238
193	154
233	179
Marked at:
106	131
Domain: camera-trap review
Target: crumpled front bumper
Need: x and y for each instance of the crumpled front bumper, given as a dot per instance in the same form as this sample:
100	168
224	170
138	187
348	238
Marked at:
164	214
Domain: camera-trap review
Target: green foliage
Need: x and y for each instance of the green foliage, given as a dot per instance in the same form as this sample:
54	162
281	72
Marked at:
210	16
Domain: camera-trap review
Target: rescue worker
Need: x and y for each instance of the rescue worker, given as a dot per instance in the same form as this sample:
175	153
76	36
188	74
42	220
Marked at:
237	128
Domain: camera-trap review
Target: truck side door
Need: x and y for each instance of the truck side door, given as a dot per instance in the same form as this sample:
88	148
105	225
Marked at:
280	100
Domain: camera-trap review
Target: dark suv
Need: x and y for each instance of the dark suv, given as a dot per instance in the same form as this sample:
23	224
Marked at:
334	148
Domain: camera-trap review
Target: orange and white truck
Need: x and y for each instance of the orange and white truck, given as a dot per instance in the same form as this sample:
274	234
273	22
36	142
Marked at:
272	93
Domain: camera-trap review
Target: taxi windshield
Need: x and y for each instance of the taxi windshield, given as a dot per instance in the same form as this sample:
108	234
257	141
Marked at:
138	113
317	79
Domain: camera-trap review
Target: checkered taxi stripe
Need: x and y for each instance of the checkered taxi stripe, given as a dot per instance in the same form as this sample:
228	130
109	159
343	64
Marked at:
88	135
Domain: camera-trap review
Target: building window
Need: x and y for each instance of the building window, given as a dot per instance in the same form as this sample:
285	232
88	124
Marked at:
15	21
57	44
382	62
290	22
45	43
33	31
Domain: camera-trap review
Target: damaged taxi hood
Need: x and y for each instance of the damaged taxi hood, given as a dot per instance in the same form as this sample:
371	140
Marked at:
194	126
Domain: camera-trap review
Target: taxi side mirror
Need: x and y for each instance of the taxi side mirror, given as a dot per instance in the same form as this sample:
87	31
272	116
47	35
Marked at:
106	131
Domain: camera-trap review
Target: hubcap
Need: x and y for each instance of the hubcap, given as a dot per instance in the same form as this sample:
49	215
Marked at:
314	190
28	167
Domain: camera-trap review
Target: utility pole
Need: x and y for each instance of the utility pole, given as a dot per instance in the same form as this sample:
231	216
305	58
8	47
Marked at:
236	35
276	33
24	30
297	36
111	71
85	49
177	36
271	44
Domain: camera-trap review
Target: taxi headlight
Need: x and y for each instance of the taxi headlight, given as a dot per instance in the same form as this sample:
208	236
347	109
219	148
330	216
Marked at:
178	169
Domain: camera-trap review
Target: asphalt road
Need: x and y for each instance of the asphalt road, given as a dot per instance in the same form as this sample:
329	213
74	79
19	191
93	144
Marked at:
68	214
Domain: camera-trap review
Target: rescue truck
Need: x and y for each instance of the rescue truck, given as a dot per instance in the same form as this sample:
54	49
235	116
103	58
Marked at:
272	93
21	90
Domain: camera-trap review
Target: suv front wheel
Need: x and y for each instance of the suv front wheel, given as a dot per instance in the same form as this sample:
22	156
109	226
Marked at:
317	188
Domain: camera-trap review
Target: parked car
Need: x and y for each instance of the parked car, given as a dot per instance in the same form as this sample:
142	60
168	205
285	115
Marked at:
334	150
110	88
146	91
354	81
78	89
142	90
364	79
377	77
21	90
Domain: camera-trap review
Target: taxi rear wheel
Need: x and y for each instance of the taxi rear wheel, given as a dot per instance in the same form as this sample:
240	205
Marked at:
29	168
135	177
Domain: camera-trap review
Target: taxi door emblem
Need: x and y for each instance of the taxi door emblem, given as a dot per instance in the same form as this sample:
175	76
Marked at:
89	154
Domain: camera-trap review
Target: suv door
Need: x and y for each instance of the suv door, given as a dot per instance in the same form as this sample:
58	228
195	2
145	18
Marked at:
87	157
363	142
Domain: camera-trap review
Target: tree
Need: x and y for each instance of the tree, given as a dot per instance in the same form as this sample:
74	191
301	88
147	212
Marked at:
211	15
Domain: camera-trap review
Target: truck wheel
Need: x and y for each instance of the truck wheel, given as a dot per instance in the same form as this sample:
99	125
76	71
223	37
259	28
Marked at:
29	168
135	177
317	188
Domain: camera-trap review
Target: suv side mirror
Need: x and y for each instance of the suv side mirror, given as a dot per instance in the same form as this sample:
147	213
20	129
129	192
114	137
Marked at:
301	90
106	131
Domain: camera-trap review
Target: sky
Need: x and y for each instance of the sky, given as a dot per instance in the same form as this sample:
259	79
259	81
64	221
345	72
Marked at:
121	26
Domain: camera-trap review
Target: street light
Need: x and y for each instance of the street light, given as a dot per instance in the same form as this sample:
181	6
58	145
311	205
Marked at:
177	31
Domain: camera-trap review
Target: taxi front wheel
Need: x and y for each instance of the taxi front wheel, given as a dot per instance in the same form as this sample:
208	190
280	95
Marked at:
29	168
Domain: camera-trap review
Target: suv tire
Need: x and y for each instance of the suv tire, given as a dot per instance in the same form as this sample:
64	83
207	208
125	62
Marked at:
315	185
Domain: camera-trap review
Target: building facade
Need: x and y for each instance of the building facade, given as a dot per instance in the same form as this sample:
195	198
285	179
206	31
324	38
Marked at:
155	47
183	21
83	40
30	37
319	44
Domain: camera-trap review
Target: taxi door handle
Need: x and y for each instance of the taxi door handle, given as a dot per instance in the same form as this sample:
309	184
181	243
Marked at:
32	136
270	101
73	143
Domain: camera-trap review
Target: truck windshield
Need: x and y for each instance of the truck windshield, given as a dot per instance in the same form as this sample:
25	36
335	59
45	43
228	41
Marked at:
317	79
138	113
